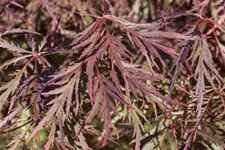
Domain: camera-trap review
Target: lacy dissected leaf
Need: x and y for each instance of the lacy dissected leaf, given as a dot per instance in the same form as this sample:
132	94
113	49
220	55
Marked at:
113	91
7	120
22	55
148	37
65	72
105	111
12	47
47	5
51	136
96	107
63	96
17	30
130	72
22	90
86	33
9	88
205	63
42	44
81	142
14	61
138	81
182	58
90	71
135	120
118	53
204	71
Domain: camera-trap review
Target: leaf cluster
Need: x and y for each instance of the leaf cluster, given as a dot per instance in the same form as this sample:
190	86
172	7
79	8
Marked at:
106	74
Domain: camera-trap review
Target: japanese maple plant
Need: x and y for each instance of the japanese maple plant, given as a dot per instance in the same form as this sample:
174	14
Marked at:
112	74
